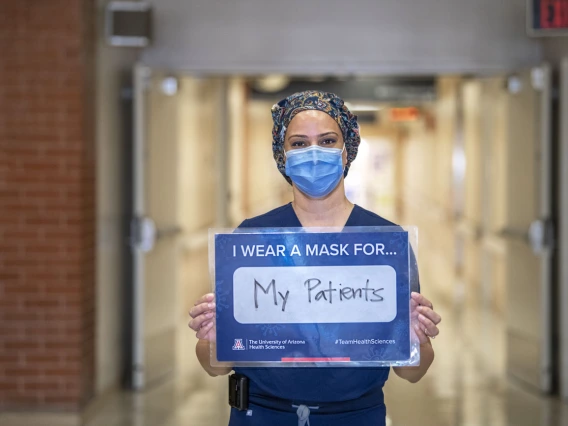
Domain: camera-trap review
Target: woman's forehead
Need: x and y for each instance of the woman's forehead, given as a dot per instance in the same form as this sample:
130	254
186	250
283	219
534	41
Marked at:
313	119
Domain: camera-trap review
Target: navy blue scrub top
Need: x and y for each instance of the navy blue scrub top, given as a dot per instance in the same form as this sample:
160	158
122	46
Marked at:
332	384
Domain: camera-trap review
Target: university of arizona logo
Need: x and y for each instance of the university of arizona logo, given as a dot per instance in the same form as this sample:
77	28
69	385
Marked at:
238	346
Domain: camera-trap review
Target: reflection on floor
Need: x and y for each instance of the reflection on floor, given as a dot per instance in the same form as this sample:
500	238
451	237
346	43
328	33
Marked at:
465	386
203	402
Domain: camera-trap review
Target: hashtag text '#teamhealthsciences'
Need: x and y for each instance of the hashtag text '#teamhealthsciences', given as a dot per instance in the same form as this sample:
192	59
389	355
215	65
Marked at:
365	342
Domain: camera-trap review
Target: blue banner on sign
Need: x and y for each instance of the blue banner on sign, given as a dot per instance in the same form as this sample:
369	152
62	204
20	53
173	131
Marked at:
312	297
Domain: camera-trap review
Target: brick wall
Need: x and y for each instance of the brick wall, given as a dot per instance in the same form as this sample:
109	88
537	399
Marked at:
47	211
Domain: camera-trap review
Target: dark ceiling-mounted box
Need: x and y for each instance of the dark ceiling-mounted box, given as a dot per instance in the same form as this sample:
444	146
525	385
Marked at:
128	23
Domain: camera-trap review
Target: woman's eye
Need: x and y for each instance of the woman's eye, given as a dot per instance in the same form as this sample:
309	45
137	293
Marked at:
328	142
298	143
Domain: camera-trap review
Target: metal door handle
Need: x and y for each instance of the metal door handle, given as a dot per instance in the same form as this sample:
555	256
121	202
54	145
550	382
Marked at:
516	233
142	234
539	235
169	231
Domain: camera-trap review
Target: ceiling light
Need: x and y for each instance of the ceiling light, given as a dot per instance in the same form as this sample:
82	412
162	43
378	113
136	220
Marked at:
362	107
271	83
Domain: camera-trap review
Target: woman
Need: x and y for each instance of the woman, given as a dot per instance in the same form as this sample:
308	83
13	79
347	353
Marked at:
315	140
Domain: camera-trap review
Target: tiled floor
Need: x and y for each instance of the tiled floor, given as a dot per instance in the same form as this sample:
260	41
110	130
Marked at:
465	387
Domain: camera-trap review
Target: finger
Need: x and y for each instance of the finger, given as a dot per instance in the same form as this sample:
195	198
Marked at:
430	314
206	298
430	328
421	300
423	338
197	322
413	304
200	309
202	333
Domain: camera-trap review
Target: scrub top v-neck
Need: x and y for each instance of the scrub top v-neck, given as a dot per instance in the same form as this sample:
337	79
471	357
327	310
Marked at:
299	224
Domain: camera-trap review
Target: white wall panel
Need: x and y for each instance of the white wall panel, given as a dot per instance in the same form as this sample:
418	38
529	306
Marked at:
323	36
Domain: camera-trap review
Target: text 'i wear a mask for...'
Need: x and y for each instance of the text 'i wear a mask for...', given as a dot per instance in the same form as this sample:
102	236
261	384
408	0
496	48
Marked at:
316	171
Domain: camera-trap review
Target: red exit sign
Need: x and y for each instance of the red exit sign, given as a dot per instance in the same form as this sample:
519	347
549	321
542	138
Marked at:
548	17
404	114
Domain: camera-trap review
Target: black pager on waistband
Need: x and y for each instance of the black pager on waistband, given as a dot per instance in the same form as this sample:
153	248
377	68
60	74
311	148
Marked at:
238	391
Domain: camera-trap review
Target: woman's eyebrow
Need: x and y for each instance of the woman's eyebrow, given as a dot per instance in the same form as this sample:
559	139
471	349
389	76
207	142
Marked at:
319	136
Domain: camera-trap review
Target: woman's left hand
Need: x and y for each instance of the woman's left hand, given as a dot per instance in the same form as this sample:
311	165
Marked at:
424	319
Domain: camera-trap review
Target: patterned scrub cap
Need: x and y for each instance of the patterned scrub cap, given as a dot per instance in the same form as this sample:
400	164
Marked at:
285	110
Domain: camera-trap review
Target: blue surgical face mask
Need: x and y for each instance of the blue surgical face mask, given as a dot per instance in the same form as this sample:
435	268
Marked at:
315	171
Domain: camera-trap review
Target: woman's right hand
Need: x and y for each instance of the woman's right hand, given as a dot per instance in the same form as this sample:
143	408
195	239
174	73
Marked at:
203	317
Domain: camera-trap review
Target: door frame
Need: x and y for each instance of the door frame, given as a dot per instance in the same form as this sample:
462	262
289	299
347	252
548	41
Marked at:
141	74
546	180
563	230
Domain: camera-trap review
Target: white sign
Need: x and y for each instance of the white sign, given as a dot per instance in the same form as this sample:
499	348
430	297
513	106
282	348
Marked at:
314	294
